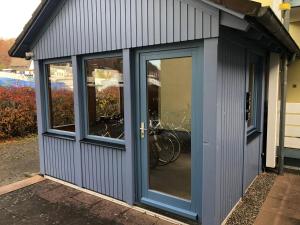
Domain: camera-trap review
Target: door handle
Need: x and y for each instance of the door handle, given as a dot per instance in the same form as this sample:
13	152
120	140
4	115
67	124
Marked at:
142	130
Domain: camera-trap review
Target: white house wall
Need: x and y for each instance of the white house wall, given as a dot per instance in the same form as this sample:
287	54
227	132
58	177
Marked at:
273	109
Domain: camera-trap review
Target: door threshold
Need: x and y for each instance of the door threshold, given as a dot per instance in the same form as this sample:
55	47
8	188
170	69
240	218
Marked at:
171	209
168	214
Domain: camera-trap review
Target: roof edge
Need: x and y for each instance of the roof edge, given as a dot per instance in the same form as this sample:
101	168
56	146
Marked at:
269	20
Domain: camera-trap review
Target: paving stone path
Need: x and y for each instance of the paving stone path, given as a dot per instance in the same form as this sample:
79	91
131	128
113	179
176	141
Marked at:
50	203
282	206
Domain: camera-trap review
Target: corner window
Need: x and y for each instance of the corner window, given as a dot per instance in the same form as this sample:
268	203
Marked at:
253	107
60	96
104	97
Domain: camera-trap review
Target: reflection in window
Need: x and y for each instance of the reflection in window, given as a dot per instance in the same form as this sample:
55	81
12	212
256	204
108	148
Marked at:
104	80
169	96
251	97
61	102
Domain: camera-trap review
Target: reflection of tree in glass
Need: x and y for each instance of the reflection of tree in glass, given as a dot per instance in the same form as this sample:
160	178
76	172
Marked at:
108	102
62	107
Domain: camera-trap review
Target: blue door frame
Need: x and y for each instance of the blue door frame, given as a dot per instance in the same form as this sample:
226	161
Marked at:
187	208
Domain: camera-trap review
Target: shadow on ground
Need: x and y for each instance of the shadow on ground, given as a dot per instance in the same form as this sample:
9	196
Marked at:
48	203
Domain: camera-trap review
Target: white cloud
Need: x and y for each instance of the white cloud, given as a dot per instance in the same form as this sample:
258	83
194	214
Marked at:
14	14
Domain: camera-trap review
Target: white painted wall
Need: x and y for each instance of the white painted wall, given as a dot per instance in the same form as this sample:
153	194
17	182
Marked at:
273	109
275	7
292	126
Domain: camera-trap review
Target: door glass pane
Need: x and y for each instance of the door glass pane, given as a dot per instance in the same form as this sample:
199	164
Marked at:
169	83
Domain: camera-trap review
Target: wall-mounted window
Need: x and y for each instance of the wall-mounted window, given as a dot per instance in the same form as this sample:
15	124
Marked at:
104	97
253	100
251	97
60	101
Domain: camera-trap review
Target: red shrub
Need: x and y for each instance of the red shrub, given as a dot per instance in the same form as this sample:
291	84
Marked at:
17	111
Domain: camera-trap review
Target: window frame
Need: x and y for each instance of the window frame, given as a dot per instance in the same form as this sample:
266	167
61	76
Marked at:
87	136
50	130
258	60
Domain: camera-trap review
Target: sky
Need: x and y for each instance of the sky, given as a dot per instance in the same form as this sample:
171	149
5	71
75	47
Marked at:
14	14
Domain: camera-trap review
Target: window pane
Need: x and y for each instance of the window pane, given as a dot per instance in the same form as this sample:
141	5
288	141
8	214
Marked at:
251	97
61	102
104	78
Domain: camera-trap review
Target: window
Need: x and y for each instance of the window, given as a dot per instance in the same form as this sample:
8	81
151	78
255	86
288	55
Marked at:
60	96
251	97
253	102
104	97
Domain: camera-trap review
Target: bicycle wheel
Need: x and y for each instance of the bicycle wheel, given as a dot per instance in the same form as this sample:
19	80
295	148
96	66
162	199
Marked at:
165	147
177	146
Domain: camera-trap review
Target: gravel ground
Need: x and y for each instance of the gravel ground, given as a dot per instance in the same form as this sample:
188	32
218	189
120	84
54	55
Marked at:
248	209
19	159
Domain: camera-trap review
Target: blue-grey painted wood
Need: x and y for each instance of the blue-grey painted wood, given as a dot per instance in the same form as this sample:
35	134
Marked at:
91	26
151	18
129	196
191	26
211	165
139	23
170	21
103	170
252	159
156	23
79	114
118	25
39	92
183	21
163	21
231	106
59	158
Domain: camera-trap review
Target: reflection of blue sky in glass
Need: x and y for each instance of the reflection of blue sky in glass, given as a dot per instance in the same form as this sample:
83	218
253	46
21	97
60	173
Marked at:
8	79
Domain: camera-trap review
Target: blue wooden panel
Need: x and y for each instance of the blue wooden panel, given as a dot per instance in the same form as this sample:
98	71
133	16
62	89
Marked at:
163	21
90	26
157	22
139	26
231	92
151	17
59	158
102	169
252	158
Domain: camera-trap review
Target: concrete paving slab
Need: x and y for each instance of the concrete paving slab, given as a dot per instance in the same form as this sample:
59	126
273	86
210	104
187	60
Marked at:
50	203
282	205
269	218
20	184
132	217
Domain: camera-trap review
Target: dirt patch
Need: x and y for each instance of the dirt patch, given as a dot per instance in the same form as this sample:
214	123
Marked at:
248	209
18	159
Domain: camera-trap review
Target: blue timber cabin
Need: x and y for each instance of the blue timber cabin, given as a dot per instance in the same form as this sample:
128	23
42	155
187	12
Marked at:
158	103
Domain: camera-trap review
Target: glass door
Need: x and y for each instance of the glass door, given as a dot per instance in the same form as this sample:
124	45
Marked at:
166	130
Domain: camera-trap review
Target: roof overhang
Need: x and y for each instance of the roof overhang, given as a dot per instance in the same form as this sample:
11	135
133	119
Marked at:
262	18
252	12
